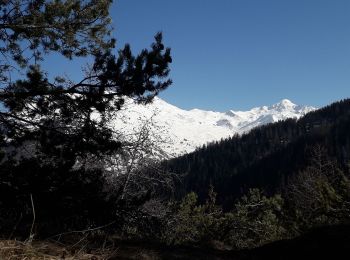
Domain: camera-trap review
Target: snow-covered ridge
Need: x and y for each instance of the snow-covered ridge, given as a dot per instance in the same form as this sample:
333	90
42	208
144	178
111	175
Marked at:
182	131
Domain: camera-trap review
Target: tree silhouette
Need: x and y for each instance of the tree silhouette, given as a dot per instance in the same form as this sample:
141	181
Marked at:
61	113
49	128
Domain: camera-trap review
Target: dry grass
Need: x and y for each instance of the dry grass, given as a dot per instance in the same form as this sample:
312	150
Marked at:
16	250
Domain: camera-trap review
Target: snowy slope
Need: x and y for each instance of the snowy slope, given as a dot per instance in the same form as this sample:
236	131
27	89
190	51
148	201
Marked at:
179	131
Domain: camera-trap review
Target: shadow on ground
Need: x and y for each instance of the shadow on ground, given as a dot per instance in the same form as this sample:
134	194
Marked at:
322	243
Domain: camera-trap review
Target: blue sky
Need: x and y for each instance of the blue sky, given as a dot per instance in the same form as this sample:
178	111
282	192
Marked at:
237	54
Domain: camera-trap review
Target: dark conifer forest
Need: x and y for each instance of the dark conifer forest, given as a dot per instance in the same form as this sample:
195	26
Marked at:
267	157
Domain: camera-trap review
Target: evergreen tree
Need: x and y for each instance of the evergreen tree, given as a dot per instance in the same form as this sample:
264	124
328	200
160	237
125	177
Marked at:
255	220
62	117
52	129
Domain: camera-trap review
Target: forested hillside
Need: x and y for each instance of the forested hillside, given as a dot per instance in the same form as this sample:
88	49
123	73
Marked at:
268	156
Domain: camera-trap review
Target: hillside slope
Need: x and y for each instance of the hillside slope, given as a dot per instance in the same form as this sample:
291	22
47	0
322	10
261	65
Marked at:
267	156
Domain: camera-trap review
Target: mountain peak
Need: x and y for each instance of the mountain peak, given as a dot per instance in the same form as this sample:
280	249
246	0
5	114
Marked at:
284	104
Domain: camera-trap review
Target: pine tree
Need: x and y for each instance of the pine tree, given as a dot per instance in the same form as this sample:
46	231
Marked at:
59	115
52	131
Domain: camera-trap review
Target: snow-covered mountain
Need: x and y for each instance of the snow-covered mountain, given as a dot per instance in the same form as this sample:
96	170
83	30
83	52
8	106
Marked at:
179	131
